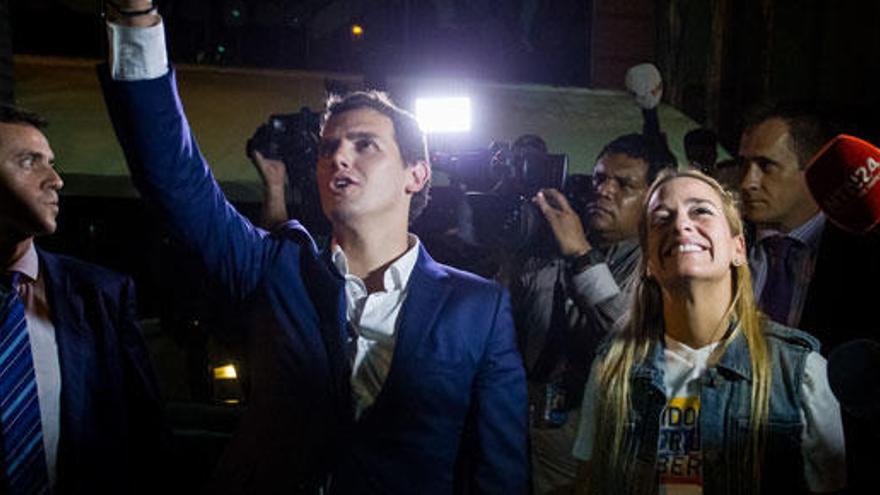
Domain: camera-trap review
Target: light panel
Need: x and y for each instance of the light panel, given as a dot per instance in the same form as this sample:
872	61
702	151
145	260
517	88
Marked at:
441	115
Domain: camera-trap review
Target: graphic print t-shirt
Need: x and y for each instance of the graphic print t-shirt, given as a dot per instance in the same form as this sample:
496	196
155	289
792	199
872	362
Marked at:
679	459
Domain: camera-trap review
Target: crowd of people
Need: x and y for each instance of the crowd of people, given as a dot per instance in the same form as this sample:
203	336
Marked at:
674	340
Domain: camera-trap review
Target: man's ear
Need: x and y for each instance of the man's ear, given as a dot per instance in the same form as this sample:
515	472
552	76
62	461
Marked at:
418	176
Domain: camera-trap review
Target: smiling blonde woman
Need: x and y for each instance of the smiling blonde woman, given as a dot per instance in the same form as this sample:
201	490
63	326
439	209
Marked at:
699	392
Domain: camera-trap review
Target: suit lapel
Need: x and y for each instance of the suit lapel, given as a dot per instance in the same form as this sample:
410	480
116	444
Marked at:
327	290
428	291
76	356
813	299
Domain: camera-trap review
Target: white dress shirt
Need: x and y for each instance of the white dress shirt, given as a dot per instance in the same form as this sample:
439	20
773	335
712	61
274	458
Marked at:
375	318
137	53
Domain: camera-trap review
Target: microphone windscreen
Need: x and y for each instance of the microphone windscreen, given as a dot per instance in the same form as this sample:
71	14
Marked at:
646	83
844	179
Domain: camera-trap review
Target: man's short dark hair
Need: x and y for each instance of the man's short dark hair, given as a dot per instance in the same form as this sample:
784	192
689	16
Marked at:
14	115
639	147
807	125
407	134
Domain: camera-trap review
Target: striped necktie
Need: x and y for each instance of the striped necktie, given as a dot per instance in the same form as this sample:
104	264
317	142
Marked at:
24	460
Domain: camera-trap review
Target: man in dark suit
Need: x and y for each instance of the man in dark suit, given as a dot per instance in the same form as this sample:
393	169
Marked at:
374	369
87	399
808	273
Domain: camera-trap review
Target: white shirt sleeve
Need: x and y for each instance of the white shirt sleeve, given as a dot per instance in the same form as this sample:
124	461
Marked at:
822	442
596	284
137	53
583	441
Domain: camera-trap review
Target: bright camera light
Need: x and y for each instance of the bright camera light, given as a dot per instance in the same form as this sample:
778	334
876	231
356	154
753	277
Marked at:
444	114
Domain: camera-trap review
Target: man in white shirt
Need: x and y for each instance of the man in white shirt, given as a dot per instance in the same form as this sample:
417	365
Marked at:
374	369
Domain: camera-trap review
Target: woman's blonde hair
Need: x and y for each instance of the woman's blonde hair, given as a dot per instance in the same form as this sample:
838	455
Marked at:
644	328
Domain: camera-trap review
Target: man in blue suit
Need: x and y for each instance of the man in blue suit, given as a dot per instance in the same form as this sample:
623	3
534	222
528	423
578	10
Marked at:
79	361
374	369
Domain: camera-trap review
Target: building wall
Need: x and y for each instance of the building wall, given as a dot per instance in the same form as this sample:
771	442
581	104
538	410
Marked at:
719	57
623	34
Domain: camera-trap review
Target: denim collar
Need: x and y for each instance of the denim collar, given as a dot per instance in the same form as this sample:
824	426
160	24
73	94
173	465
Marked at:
651	368
735	359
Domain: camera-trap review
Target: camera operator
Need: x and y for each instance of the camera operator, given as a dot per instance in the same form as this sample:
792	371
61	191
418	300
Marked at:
564	304
274	176
284	150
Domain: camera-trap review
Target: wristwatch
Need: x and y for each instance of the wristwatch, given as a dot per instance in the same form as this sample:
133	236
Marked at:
132	13
577	264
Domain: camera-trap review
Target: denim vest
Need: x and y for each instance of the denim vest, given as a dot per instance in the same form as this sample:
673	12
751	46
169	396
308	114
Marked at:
725	399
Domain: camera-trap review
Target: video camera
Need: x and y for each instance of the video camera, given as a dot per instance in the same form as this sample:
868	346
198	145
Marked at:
293	139
499	183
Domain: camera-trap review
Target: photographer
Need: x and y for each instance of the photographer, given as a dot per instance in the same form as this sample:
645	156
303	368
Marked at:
284	150
566	303
274	176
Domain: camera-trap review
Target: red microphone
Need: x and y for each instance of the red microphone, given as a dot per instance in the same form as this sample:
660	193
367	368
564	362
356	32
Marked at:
844	179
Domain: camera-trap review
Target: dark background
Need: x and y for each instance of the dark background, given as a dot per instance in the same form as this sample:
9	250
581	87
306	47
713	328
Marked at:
717	56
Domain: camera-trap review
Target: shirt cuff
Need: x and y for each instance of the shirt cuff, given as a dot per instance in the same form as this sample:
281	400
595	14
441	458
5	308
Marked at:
137	53
595	284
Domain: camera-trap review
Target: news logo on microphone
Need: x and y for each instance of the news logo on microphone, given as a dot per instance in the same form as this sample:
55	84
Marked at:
844	179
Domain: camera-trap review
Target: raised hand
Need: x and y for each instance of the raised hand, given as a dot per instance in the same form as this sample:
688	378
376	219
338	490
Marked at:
273	172
564	221
274	175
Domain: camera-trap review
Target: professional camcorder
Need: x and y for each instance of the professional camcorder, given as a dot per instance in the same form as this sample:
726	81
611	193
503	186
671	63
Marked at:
499	182
293	139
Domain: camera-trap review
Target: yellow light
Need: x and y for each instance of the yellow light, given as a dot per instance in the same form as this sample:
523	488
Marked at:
357	30
227	372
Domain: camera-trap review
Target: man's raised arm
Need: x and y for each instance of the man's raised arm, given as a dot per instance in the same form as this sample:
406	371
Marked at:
166	165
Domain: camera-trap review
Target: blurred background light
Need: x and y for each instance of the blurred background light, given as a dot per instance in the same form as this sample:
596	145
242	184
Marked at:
441	115
226	372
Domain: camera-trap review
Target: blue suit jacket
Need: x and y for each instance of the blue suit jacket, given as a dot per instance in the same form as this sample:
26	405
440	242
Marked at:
111	433
456	388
